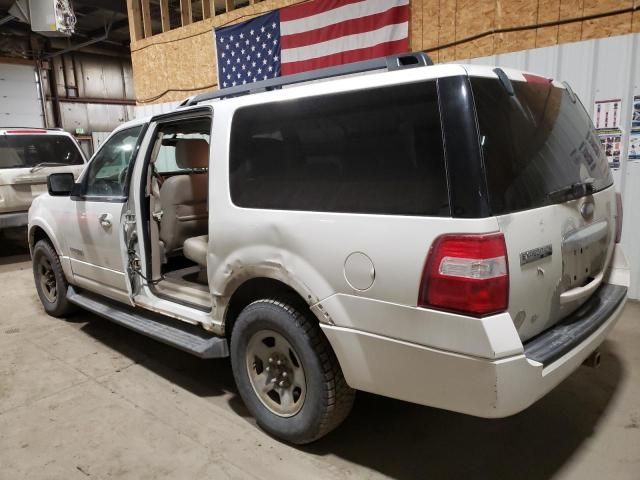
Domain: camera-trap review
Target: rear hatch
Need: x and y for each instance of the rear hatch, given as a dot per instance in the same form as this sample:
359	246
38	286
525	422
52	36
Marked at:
549	185
27	158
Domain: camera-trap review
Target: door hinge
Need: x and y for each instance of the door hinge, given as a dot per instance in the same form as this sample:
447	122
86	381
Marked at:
130	218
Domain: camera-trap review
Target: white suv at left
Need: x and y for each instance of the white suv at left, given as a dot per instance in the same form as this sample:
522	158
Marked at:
27	157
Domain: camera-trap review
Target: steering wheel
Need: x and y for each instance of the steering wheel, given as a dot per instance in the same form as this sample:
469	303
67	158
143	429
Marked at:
101	187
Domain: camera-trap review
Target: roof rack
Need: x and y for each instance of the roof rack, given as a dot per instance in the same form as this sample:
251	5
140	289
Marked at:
390	63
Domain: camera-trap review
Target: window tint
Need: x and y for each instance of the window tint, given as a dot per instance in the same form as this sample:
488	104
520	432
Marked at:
107	171
25	151
535	144
374	151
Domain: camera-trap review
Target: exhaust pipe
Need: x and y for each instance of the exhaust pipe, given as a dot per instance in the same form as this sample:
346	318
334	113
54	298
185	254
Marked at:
593	360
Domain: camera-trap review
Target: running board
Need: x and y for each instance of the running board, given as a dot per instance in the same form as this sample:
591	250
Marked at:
184	336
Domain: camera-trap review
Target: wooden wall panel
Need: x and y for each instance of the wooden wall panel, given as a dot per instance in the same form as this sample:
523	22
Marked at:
571	32
431	26
607	26
415	27
447	27
181	62
474	17
548	11
514	13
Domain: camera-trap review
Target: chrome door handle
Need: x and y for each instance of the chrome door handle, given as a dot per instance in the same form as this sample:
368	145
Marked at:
105	220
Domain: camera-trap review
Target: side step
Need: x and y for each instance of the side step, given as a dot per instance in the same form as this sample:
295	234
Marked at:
189	338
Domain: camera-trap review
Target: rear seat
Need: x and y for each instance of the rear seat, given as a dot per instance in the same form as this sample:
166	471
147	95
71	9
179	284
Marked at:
195	249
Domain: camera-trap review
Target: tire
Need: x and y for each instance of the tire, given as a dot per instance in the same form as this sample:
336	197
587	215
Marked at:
326	399
51	283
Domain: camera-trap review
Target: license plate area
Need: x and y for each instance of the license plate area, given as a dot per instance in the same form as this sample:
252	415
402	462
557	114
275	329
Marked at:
584	254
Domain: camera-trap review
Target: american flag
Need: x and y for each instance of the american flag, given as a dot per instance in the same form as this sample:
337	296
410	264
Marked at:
311	35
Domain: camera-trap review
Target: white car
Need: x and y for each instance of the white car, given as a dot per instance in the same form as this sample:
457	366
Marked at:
446	235
27	157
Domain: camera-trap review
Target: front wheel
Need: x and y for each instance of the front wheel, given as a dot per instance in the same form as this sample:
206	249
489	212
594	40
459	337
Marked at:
51	283
287	373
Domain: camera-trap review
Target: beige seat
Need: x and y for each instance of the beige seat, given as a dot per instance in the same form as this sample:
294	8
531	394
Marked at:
183	198
195	249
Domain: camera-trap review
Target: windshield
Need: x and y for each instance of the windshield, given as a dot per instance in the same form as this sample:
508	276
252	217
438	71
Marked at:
535	144
26	151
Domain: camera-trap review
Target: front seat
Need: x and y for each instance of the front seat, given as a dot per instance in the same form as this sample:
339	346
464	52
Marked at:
183	198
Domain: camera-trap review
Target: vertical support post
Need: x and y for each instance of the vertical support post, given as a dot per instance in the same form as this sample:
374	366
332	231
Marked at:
206	8
55	101
146	18
185	12
230	5
135	20
164	15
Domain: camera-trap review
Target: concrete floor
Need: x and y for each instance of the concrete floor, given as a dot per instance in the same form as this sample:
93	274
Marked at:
84	398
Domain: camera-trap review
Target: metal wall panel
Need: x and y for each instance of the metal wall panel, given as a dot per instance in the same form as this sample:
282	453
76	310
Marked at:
98	138
20	104
599	69
154	109
93	117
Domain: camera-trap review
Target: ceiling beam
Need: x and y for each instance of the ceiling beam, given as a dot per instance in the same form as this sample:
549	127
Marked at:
118	6
115	26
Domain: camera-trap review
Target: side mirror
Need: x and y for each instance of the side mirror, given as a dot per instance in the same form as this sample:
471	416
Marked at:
60	184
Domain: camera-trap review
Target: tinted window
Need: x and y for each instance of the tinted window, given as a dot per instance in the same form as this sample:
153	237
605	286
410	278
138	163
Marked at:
25	151
535	144
373	151
107	172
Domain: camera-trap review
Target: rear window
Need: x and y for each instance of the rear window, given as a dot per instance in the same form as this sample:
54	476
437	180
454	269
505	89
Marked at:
535	144
25	151
372	151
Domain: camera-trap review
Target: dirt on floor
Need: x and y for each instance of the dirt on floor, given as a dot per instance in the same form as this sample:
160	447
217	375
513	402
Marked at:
84	398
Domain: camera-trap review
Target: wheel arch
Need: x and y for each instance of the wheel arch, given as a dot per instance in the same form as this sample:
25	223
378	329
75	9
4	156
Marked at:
256	288
39	232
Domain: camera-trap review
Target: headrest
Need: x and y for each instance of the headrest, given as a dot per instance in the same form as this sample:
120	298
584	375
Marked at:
192	153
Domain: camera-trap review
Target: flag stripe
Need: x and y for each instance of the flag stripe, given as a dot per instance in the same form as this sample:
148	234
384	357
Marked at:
336	15
381	50
389	33
307	9
394	15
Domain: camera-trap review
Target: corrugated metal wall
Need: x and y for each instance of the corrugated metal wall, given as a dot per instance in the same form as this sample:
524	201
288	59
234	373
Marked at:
154	109
601	69
95	91
596	70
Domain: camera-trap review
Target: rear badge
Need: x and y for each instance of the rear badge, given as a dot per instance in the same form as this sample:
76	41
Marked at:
535	254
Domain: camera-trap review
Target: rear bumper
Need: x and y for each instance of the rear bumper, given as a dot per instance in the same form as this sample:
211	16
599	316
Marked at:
471	385
14	219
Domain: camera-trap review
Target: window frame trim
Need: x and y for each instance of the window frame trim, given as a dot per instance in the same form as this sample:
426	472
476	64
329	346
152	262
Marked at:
82	185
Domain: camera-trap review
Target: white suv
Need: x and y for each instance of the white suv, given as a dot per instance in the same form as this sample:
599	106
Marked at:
446	235
27	157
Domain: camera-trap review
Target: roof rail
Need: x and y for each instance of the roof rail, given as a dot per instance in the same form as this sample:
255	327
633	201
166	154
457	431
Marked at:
392	62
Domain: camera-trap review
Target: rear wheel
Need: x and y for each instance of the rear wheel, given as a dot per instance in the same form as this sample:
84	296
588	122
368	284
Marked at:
287	373
51	284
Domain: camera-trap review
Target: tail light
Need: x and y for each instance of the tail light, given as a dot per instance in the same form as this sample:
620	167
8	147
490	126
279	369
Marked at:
618	217
466	273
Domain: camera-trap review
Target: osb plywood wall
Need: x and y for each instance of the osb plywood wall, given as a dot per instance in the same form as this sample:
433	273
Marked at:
173	65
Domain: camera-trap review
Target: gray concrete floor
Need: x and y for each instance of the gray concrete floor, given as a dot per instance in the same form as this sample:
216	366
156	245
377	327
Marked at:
84	398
